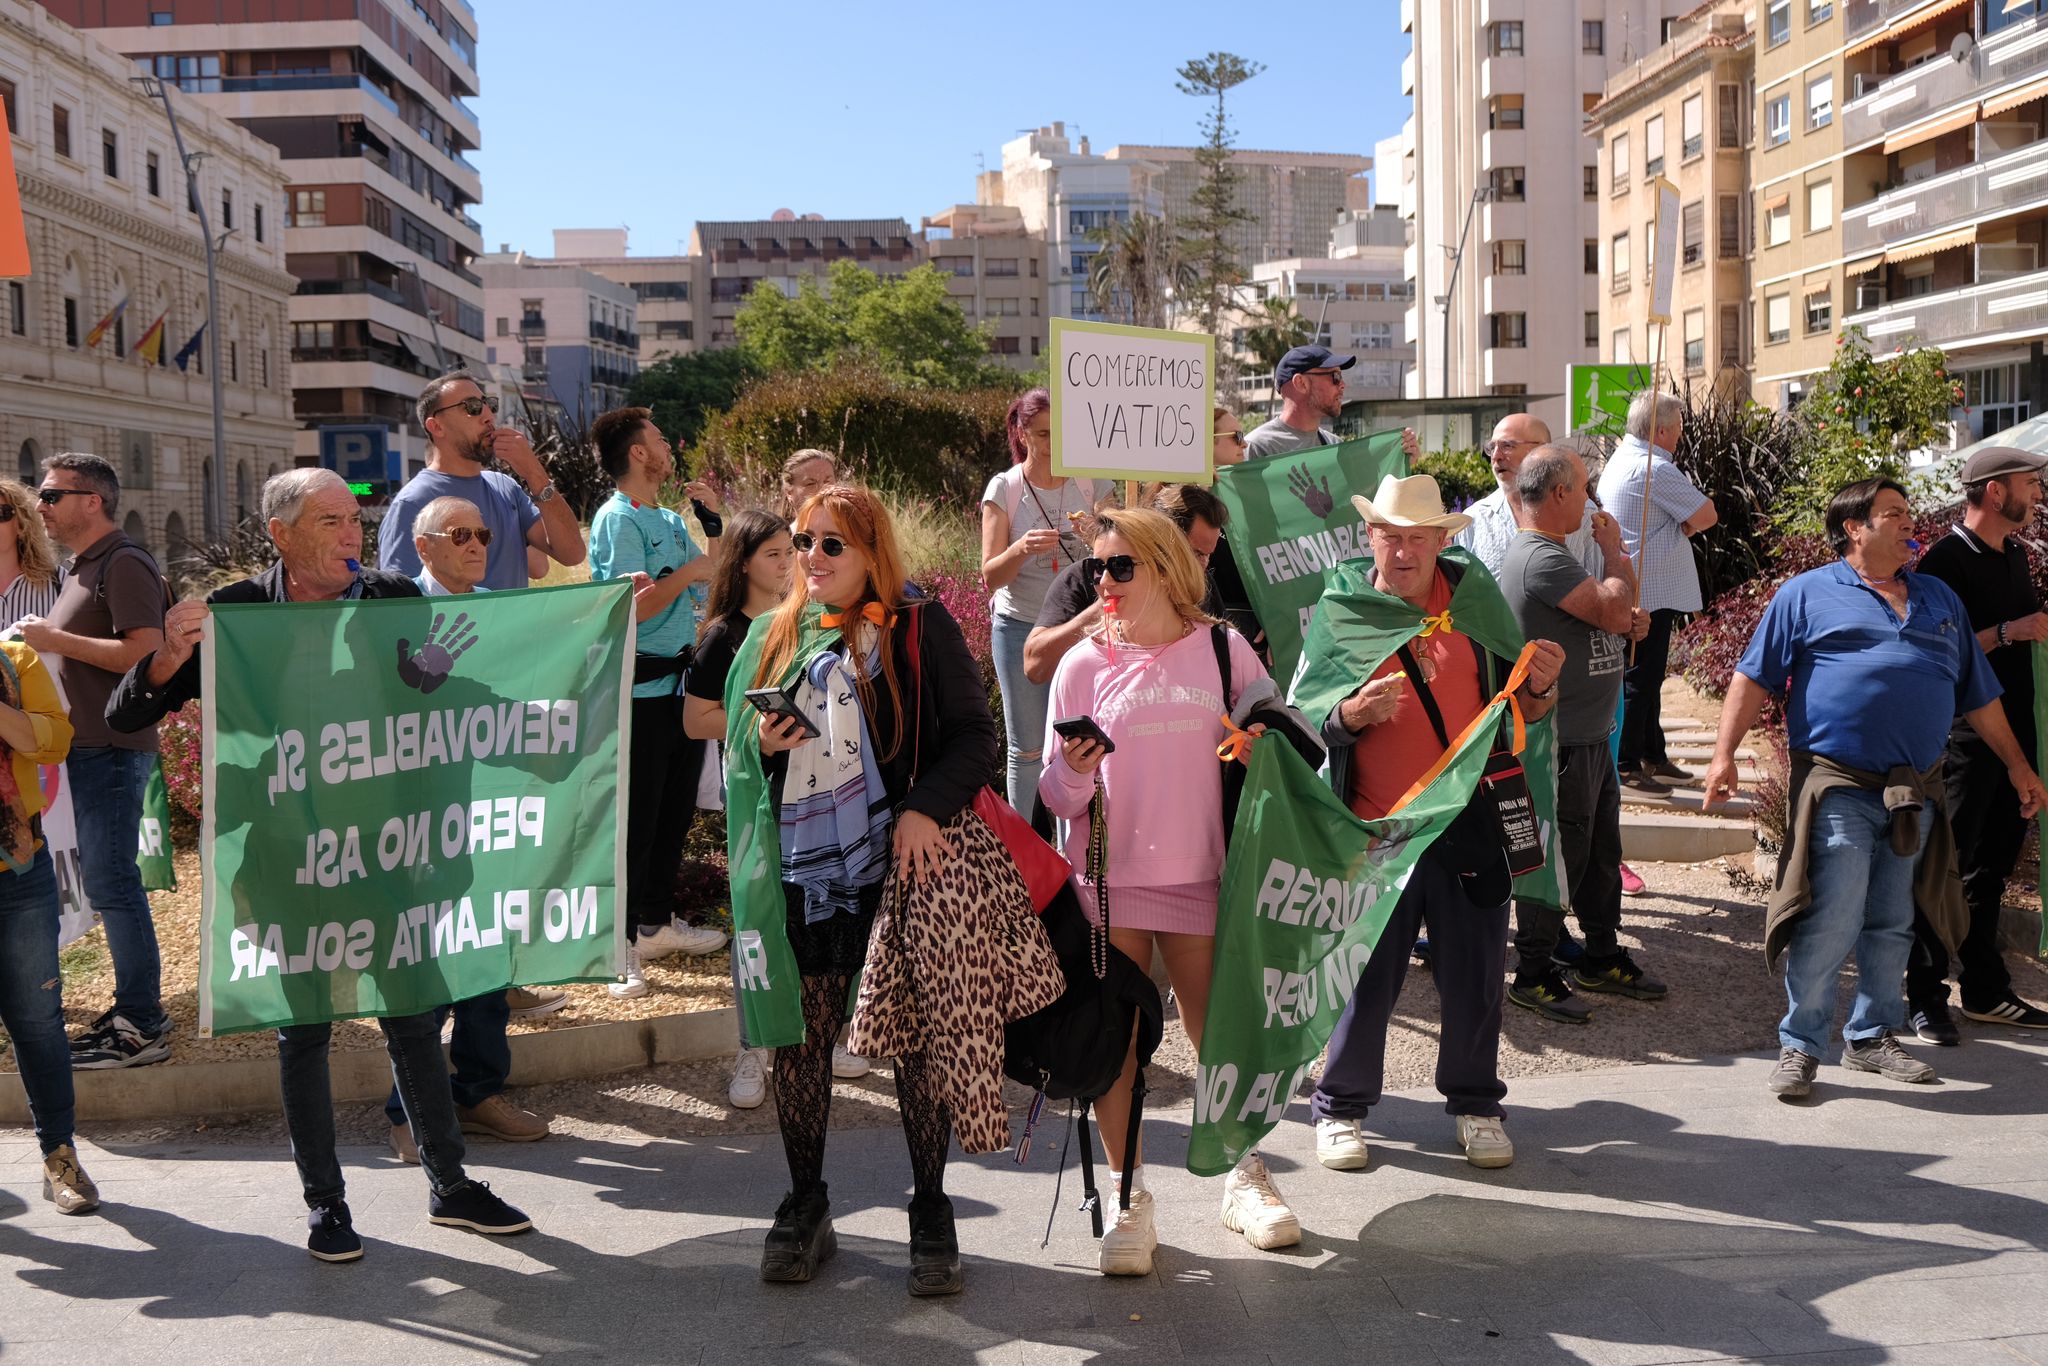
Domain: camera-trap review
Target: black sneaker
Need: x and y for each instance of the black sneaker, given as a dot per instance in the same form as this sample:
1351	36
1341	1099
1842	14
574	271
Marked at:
934	1248
1618	975
1883	1056
1569	952
1666	771
1644	781
2011	1011
119	1044
1792	1078
331	1233
1931	1023
471	1205
1549	997
801	1238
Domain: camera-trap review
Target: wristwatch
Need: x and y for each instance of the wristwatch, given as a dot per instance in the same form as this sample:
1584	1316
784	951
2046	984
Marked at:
1550	691
548	492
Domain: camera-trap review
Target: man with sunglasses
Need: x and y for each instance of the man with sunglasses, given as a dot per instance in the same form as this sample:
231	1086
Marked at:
1310	383
108	614
521	508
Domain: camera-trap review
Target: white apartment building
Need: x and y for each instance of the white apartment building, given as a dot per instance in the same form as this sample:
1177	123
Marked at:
572	332
1063	192
1357	299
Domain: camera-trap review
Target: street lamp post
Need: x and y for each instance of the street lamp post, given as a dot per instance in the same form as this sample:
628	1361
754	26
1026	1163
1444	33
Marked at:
1482	195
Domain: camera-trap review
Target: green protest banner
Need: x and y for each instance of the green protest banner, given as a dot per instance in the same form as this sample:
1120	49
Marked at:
411	801
1291	519
154	855
1600	395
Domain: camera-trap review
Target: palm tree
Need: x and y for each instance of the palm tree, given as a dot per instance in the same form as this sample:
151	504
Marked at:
1139	267
1275	328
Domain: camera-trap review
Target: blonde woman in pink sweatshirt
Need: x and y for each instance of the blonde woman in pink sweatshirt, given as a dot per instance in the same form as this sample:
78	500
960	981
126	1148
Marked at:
1150	680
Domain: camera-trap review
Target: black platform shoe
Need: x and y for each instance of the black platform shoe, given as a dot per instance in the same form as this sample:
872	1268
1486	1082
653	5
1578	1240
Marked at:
934	1248
801	1239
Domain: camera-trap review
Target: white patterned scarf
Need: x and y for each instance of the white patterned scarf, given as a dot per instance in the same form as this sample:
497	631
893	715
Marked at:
835	815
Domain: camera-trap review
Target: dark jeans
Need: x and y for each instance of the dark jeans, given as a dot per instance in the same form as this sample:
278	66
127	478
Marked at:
414	1043
1642	691
1984	811
31	999
1589	831
478	1048
1464	956
661	804
106	803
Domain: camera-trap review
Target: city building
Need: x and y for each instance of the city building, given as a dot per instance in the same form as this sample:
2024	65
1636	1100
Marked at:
1681	112
572	332
993	267
1494	170
365	102
665	288
734	257
95	345
1063	193
1292	198
1356	298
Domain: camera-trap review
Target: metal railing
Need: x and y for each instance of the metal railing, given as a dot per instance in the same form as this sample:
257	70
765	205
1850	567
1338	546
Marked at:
337	80
2013	53
2005	182
2015	304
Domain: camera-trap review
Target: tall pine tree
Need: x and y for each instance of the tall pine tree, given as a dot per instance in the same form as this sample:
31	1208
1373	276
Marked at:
1215	211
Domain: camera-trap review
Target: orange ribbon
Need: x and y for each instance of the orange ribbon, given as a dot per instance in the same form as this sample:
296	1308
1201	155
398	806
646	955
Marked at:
1516	677
1237	746
873	611
1431	625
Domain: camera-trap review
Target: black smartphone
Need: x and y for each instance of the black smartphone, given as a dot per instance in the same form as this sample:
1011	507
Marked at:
1083	728
776	702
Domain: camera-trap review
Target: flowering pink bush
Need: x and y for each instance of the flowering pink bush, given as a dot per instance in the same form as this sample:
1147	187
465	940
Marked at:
179	744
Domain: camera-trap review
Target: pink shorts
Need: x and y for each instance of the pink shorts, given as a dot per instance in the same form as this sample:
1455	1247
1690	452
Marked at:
1189	908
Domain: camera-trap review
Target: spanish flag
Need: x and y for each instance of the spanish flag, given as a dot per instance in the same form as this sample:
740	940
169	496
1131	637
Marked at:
151	347
13	237
105	325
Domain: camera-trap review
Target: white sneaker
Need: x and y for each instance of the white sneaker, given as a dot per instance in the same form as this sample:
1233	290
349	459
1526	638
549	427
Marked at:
749	1079
1127	1247
1485	1141
846	1066
636	981
1252	1206
676	937
1340	1145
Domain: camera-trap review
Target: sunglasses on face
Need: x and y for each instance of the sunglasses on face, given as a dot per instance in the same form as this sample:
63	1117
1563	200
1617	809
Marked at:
831	545
7	511
49	498
1119	567
463	535
474	407
1237	437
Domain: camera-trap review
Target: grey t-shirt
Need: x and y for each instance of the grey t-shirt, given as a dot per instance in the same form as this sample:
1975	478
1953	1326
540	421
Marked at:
1537	575
1277	438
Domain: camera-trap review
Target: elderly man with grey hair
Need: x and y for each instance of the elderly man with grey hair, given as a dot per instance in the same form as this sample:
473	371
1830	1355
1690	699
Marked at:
318	530
1642	469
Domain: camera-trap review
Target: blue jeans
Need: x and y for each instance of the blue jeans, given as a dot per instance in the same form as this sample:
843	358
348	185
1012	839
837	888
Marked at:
1862	902
106	802
414	1043
1024	704
31	998
478	1048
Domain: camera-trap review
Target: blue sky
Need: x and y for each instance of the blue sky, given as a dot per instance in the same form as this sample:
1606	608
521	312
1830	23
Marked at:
650	115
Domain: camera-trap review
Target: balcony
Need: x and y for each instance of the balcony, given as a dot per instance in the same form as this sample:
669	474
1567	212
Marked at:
2016	305
1865	16
2012	54
466	116
1503	147
2004	184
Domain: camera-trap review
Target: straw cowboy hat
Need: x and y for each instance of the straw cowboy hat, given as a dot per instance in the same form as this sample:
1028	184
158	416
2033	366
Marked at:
1414	501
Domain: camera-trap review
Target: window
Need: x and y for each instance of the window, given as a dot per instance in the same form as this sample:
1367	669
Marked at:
1727	116
7	104
1820	312
996	270
1507	183
1593	37
258	211
1006	346
1617	162
60	129
309	209
1695	335
1510	330
110	153
152	175
1000	308
262	369
1653	147
1778	120
1692	126
1819	11
1504	112
1820	205
234	362
1820	102
1728	227
1617	262
1592	182
1731	334
17	308
1778	220
1624	350
1692	236
1778	22
1510	258
1593	329
1372	336
71	323
1505	38
504	327
1778	318
1592	256
227	210
956	266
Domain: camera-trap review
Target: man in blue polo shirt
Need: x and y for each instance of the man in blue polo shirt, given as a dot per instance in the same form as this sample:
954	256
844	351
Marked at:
1875	663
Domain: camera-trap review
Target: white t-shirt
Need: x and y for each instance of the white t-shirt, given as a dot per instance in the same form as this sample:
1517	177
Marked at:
1030	508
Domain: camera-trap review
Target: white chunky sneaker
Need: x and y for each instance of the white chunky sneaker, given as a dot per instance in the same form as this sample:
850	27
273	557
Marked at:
1340	1145
1252	1205
1127	1247
749	1079
1485	1141
636	980
676	937
846	1066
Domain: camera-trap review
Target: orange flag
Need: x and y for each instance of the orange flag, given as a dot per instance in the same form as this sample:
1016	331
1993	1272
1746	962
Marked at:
13	235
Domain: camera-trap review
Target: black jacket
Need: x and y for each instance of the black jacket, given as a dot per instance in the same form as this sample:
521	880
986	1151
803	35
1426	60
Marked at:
136	705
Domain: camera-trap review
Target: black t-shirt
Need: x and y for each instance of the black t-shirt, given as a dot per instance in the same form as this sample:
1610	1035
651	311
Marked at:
1070	595
717	648
1995	586
1233	603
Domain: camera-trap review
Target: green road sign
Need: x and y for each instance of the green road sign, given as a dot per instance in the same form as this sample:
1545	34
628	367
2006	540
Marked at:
1600	396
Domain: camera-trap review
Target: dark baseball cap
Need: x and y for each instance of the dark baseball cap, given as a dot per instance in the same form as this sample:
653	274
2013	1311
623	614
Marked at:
1991	461
1304	358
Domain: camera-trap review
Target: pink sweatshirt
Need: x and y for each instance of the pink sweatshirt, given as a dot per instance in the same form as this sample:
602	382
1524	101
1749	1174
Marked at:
1164	708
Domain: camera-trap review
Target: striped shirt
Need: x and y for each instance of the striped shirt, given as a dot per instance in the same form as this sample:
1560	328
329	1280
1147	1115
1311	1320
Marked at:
1664	562
27	598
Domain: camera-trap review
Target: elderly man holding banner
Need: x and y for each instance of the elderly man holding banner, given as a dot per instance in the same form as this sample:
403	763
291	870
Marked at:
314	521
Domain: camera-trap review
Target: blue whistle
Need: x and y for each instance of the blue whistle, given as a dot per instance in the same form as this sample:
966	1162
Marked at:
355	566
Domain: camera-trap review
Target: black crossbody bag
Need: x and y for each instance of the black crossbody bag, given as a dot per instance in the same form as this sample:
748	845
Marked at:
1503	792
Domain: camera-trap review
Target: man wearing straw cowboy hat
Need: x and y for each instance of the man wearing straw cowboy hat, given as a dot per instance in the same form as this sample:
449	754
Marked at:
1387	726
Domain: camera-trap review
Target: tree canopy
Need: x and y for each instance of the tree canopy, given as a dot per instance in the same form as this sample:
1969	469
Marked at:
684	391
906	327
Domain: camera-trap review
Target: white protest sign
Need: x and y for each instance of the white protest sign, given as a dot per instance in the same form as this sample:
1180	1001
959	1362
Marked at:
1132	402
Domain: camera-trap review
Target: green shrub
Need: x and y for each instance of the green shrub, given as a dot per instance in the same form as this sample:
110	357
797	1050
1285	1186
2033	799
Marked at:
1464	477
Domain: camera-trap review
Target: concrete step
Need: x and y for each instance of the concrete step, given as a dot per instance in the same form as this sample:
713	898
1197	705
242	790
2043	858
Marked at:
1655	837
1699	756
1686	799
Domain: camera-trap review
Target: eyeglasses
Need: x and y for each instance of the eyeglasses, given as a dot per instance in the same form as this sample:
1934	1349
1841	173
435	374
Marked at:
7	511
49	498
831	545
1120	568
474	407
1237	437
462	535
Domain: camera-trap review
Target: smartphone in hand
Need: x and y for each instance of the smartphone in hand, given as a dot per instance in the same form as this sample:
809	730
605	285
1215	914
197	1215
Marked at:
776	702
1083	728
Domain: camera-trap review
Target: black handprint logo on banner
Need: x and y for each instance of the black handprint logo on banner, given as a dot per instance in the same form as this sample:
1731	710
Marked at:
427	668
1303	486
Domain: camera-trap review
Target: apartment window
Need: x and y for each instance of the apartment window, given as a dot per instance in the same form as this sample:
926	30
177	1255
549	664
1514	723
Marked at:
997	270
1731	334
1820	312
110	153
1505	38
1778	318
234	362
1000	308
1819	11
1624	349
1692	244
1593	37
1778	22
60	129
1592	182
1510	330
1593	329
1692	126
1034	268
1006	346
7	104
1505	112
1507	183
227	210
262	369
258	212
17	308
1820	102
1820	205
1728	116
1617	165
1778	220
1778	120
309	209
152	175
1510	258
1728	227
1372	336
71	323
1617	262
1592	256
312	336
957	266
1695	335
504	327
1653	147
